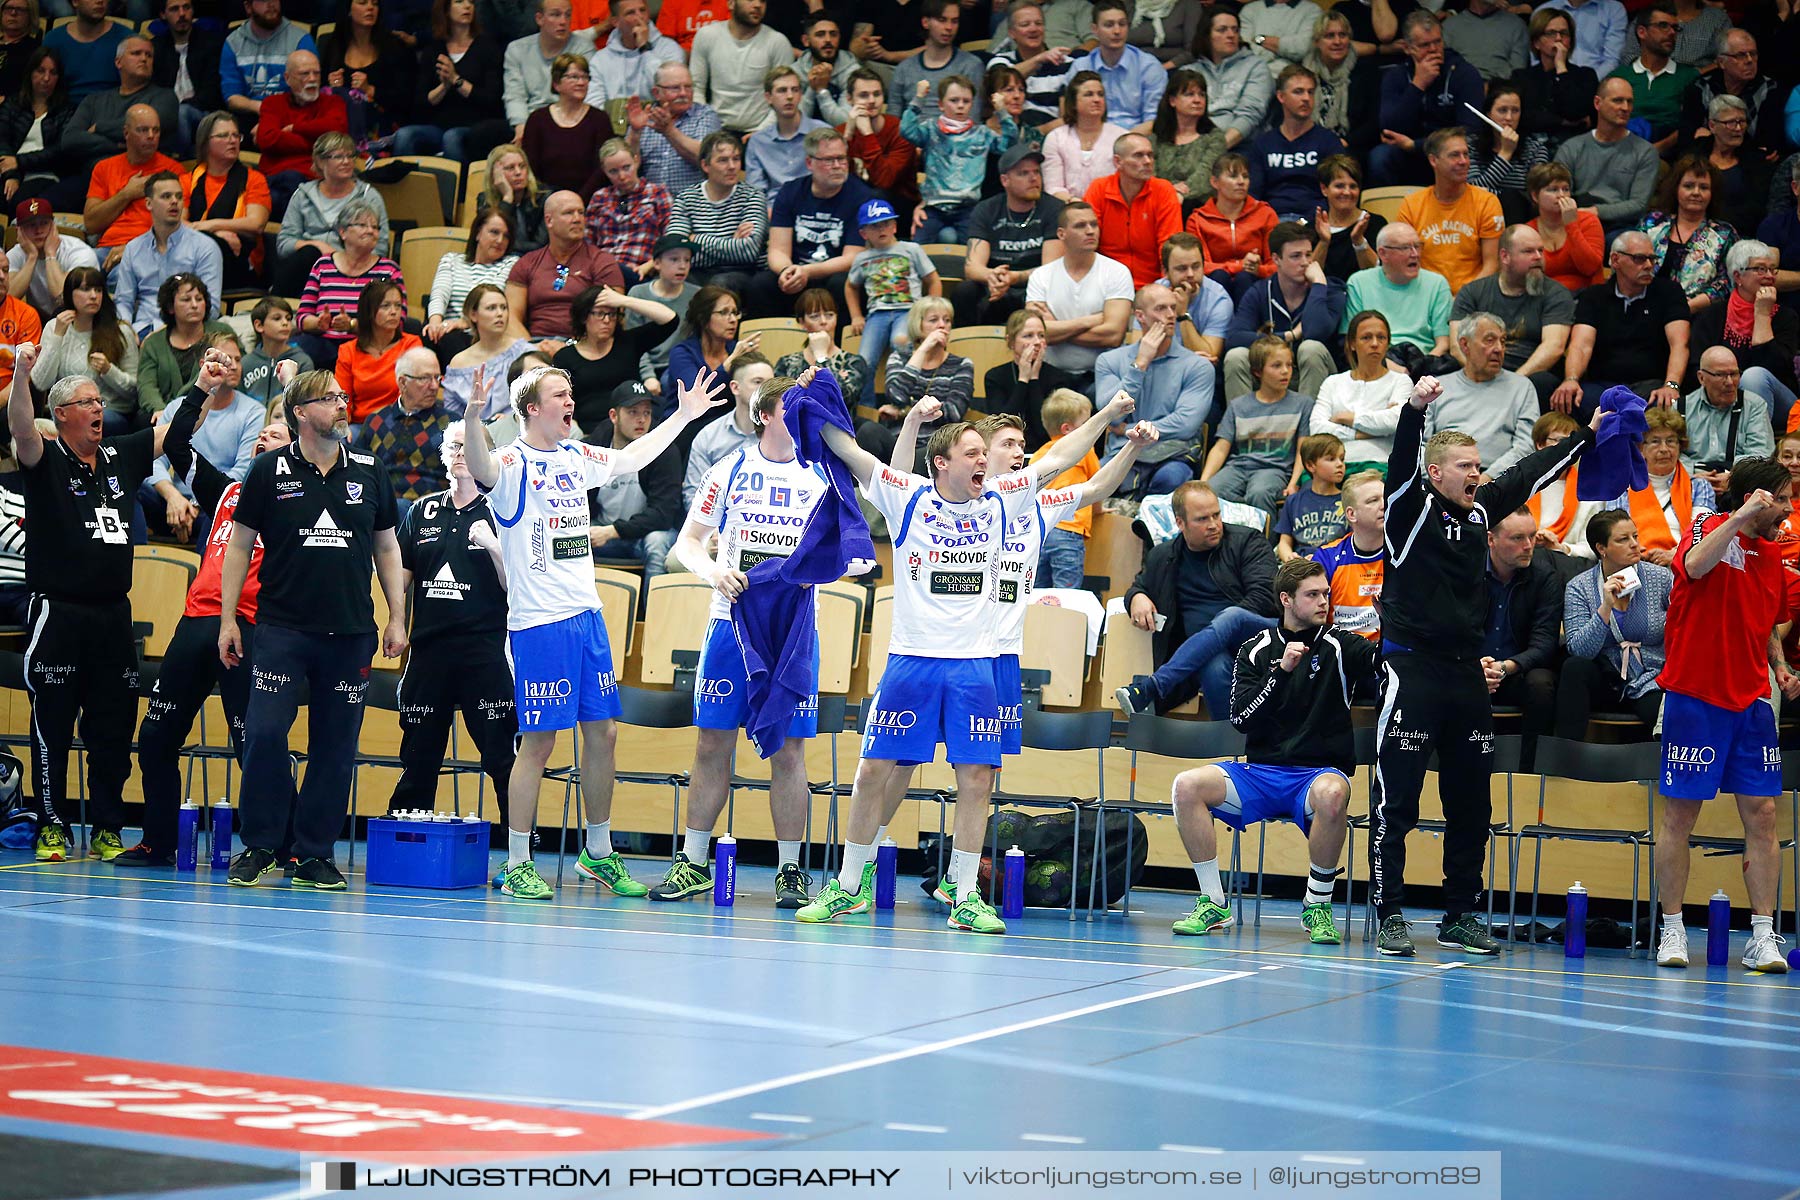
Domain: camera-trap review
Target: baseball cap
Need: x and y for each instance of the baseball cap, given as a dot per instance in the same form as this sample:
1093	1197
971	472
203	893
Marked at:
32	209
631	392
1019	153
875	211
673	241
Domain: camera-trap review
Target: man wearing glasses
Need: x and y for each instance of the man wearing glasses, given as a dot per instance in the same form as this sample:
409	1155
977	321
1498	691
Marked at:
813	234
405	438
668	131
1762	335
1740	74
325	514
1659	84
1725	422
1625	327
82	656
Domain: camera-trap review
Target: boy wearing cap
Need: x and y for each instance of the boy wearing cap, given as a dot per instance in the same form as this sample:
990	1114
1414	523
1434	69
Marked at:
886	277
636	515
42	258
672	259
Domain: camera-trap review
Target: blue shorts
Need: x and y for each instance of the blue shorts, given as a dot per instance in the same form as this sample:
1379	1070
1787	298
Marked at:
722	689
563	673
1012	698
1708	750
924	701
1266	793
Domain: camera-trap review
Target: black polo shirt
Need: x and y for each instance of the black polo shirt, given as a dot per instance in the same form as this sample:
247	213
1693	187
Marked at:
1630	343
318	534
78	520
455	589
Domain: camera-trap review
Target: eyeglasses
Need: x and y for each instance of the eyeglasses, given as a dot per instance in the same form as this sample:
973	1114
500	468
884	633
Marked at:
333	398
431	379
562	278
731	313
1636	258
1740	55
337	156
1732	374
831	159
91	403
1734	123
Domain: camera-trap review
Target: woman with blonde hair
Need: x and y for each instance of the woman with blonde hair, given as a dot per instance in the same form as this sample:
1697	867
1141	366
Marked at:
513	192
928	370
309	227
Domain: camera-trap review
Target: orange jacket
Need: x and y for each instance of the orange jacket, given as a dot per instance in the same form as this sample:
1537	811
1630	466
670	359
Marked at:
1227	241
1134	233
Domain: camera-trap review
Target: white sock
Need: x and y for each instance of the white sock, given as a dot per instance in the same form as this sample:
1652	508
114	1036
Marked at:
965	869
694	847
1761	926
787	852
1210	885
518	847
856	857
1319	883
599	842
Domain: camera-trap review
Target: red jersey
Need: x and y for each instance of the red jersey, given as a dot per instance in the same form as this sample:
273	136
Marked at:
203	593
1717	636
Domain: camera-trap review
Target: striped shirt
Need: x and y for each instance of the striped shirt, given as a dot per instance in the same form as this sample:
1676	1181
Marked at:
626	225
712	224
456	275
12	538
329	291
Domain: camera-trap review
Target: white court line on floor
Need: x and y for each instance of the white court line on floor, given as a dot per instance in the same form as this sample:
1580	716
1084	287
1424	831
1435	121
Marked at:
791	1118
902	1127
1054	1138
1178	1148
880	1060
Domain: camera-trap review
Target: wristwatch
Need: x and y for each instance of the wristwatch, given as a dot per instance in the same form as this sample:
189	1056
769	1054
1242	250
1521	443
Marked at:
1185	316
1672	385
1261	38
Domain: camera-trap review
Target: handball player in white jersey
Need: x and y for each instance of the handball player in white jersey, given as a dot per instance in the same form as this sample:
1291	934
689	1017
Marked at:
562	663
758	501
939	683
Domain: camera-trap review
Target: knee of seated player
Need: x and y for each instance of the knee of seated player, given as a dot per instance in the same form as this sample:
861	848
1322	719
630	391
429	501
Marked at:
1198	790
1330	796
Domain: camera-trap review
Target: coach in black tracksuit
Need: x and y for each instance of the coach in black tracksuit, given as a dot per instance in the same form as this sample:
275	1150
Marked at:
1435	680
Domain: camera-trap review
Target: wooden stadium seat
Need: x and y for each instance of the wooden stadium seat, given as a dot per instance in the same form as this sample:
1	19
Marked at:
949	258
840	633
675	618
158	594
447	171
778	336
250	158
70	225
985	347
319	32
1056	641
881	629
416	199
619	592
1384	202
473	185
419	254
163	550
1125	652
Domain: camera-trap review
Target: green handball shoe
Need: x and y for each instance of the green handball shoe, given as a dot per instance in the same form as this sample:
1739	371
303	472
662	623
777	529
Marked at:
975	914
610	873
833	902
1320	928
1207	916
524	882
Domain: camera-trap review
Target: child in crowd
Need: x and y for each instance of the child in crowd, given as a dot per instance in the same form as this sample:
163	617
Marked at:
1062	562
1314	515
674	258
956	149
273	321
1234	226
886	277
1260	433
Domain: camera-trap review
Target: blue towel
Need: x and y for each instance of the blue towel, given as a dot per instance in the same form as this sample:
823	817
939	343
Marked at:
1616	463
775	618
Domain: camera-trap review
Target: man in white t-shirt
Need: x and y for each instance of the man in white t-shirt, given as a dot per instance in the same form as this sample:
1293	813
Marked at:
562	662
1084	297
43	258
758	500
938	686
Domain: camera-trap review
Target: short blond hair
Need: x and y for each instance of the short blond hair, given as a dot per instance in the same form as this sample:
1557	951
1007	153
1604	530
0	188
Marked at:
1359	480
1064	406
922	308
1438	448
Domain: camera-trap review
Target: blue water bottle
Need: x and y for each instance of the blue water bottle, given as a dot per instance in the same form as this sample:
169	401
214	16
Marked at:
1012	899
1718	929
187	837
219	835
1575	927
887	863
725	872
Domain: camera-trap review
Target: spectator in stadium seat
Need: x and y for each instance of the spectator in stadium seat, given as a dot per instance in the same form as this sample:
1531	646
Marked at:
1743	172
367	361
1347	233
1284	159
1632	324
1172	385
1490	36
1613	170
1214	585
1725	421
1297	304
479	370
1022	385
709	342
1134	79
1011	235
456	99
669	131
169	359
1459	224
332	297
1425	95
1659	83
1167	35
1484	400
680	20
1062	559
1415	301
562	140
311	226
1599	29
168	247
1356	563
775	153
628	216
1207	309
186	59
726	217
937	61
1137	211
604	353
87	48
1614	638
544	283
1238	83
115	211
1556	90
40	261
635	515
1501	161
487	258
1313	516
1045	66
1740	75
364	59
228	200
1255	456
673	257
97	130
1083	297
1525	613
1574	243
1538	311
292	123
879	155
956	152
1279	30
730	62
925	366
272	335
1349	84
36	116
1559	511
528	62
1235	227
406	435
1361	406
816	311
826	68
1685	223
21	35
1080	151
1763	335
513	192
88	338
814	234
254	65
231	423
1664	510
625	64
1185	138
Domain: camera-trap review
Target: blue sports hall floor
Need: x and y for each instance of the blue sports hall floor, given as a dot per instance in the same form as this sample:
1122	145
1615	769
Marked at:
741	1030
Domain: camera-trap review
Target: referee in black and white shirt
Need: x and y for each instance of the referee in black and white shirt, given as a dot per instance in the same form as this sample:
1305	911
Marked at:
324	513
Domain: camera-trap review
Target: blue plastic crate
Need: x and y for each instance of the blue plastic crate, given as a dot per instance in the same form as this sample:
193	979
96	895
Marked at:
428	854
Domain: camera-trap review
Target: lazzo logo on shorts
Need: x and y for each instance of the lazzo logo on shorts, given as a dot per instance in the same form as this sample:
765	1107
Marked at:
1771	756
986	728
559	689
889	719
714	689
1692	757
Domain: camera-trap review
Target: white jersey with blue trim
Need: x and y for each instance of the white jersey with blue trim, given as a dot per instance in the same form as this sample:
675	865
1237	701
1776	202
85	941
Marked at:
541	503
946	559
1019	560
760	508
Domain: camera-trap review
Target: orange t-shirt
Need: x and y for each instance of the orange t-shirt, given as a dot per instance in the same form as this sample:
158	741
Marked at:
1452	233
369	378
109	179
1082	520
256	191
19	323
585	14
682	19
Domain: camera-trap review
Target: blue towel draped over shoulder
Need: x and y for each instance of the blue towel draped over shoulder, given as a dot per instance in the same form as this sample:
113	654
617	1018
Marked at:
775	619
1616	463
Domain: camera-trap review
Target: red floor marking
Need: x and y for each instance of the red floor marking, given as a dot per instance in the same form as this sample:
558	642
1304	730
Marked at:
308	1115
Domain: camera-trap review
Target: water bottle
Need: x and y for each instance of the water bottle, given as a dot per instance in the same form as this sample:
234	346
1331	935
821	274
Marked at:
1718	929
887	862
187	837
1012	900
219	835
1575	927
725	872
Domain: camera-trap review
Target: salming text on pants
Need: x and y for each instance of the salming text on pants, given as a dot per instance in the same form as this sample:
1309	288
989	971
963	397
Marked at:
82	658
333	670
190	667
1431	703
442	676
